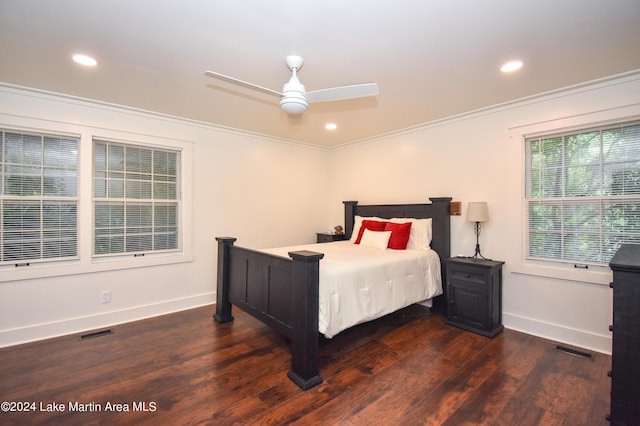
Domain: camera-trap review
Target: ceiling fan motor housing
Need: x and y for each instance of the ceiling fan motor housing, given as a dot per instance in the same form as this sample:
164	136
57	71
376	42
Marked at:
293	100
294	103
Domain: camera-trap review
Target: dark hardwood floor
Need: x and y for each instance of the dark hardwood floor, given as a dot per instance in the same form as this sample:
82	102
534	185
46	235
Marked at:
408	368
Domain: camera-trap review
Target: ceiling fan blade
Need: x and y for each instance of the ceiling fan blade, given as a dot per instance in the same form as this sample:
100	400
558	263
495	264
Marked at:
342	92
242	83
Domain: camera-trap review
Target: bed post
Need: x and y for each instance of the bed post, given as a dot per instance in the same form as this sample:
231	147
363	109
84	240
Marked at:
441	243
349	210
305	279
442	233
223	305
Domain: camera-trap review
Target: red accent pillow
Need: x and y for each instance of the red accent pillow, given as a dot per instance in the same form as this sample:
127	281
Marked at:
373	225
400	233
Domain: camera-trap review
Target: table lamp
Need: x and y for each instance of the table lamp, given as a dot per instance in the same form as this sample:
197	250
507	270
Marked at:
477	212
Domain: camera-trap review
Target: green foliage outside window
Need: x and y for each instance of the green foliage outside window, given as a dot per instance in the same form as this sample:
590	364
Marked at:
583	194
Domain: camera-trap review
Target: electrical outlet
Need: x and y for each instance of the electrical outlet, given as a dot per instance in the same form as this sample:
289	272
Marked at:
105	296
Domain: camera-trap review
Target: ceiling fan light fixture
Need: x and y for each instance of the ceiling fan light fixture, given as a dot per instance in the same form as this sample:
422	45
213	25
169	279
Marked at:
294	104
293	100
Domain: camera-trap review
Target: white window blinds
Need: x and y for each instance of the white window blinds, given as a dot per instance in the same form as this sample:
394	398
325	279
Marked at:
582	194
38	197
136	198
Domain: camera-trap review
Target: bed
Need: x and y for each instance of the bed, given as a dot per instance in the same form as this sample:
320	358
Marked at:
286	288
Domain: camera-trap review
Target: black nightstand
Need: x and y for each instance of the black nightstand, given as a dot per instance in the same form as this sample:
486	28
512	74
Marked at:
474	295
325	237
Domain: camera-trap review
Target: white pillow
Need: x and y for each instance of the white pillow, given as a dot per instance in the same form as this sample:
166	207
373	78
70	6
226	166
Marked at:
420	236
375	239
357	223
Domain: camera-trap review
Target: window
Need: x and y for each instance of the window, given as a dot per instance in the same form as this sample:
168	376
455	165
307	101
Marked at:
136	199
38	197
582	194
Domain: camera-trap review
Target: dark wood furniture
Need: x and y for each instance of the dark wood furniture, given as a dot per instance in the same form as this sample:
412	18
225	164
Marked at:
325	237
474	294
283	292
625	355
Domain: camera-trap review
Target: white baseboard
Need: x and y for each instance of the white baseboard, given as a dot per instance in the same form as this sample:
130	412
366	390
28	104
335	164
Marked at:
559	333
65	327
555	332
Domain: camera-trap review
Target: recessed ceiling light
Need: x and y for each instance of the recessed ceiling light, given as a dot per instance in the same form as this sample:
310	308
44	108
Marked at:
85	60
511	66
330	126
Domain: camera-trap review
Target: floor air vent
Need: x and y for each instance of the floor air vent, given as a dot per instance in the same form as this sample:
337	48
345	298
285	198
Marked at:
573	352
96	334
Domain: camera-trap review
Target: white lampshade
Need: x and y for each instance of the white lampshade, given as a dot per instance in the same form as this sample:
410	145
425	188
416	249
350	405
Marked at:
477	211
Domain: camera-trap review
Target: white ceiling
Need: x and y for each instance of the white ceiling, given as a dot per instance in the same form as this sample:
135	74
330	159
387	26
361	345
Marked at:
431	58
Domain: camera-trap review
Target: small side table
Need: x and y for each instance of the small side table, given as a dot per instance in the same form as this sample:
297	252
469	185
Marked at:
325	237
474	295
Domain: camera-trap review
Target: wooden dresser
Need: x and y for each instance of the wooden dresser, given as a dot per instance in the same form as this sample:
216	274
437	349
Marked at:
625	355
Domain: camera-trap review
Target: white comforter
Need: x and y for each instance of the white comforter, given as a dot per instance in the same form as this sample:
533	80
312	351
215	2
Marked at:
359	284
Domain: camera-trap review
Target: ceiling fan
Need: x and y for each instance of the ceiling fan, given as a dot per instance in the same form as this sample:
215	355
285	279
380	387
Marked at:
294	98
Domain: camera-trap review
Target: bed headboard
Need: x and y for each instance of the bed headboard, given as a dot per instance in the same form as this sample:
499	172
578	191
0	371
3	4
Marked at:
438	210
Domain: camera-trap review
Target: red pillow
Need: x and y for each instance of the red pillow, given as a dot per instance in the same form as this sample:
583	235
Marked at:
400	233
373	225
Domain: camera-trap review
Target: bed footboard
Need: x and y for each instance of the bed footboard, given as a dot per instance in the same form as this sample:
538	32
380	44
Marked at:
281	292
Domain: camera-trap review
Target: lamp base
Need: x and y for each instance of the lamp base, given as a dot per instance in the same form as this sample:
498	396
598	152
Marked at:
477	253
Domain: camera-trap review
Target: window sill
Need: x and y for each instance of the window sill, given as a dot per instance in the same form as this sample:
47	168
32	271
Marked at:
58	269
599	275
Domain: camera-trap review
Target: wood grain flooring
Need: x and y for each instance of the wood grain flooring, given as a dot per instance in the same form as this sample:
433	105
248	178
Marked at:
408	368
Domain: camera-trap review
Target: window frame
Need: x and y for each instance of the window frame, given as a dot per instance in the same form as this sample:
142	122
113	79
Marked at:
86	263
128	202
515	204
41	198
568	199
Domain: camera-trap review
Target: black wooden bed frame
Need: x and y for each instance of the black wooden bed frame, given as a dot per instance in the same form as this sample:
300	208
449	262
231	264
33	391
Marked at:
283	292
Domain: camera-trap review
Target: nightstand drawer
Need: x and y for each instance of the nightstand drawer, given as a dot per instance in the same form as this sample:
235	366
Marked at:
466	273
